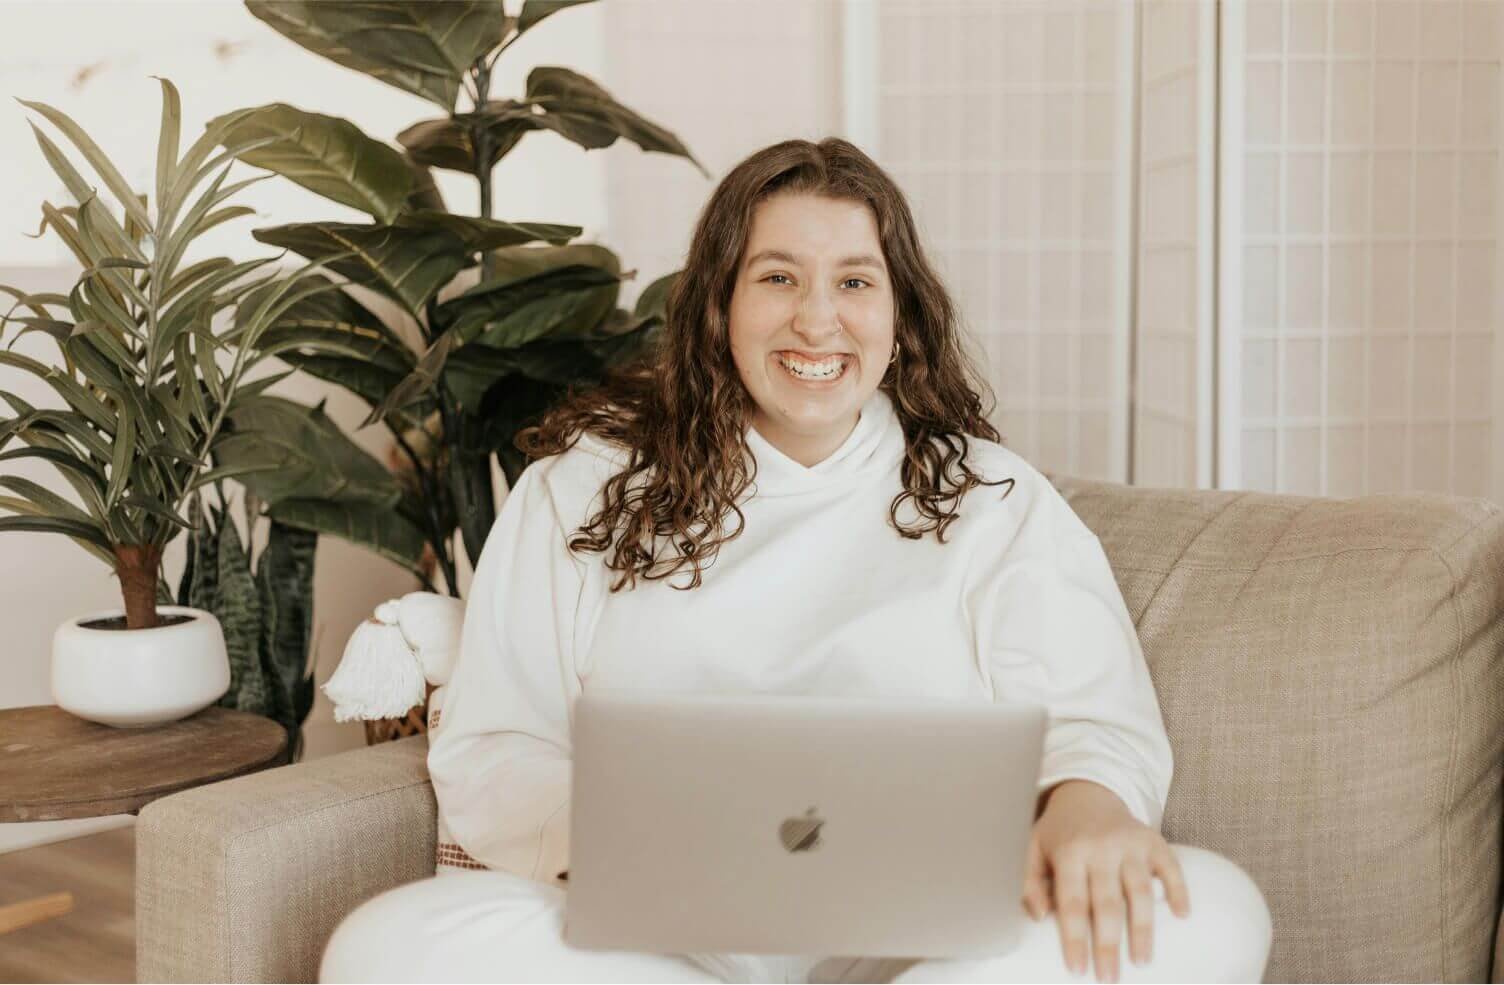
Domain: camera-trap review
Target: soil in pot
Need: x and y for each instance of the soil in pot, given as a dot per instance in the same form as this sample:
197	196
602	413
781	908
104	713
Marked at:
118	622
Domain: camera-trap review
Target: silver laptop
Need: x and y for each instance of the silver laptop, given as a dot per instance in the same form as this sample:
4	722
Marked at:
799	825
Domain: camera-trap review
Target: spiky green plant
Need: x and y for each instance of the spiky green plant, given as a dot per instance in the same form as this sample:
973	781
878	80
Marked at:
483	363
142	369
265	607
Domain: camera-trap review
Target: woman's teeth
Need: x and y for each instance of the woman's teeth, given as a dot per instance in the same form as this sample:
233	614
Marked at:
828	369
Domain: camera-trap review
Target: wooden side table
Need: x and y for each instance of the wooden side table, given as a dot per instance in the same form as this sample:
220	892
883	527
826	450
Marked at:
54	765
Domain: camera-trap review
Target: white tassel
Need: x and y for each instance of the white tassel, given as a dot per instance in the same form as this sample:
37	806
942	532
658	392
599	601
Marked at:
379	676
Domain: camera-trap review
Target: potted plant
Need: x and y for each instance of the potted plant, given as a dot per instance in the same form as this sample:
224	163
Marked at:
146	397
453	381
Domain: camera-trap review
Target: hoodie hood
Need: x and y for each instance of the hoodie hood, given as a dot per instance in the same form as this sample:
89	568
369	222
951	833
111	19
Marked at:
873	447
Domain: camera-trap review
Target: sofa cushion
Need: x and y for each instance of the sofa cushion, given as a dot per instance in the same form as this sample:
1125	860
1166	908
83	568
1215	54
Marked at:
1330	676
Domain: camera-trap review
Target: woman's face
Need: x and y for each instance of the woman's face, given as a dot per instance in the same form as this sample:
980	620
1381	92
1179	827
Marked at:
811	320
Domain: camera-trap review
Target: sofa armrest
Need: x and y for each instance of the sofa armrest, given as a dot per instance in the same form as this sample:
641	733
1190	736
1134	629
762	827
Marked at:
245	880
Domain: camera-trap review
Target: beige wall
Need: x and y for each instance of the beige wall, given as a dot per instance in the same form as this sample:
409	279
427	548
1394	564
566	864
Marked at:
728	77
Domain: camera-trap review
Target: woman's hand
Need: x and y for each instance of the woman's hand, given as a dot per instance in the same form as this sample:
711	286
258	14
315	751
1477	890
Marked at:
1101	861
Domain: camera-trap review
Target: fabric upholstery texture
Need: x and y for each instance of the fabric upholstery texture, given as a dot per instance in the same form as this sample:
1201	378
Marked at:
245	880
1330	673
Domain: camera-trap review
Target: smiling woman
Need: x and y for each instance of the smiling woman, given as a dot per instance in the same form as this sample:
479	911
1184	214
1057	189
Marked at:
810	381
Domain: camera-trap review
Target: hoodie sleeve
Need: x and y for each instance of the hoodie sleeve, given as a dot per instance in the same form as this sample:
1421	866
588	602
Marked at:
500	764
1061	636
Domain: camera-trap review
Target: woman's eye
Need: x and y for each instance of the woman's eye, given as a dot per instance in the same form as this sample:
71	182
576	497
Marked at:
771	276
849	280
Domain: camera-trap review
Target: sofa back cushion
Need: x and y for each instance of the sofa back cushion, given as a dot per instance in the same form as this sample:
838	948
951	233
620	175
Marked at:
1330	674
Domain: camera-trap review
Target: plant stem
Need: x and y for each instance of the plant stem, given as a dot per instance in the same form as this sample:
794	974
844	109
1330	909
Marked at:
481	138
136	566
436	535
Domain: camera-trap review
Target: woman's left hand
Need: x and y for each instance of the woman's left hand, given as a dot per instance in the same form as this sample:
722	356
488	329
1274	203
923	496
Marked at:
1093	862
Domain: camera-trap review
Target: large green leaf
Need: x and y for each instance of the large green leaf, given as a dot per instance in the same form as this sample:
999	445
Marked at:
505	313
580	109
325	154
374	527
290	341
534	11
368	382
410	260
407	265
488	234
654	298
573	106
314	458
421	46
329	322
475	369
514	263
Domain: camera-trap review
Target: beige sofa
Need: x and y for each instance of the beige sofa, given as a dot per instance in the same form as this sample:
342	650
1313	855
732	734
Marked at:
1330	673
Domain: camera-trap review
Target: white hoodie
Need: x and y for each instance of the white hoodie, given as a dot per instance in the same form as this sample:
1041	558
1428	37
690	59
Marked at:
819	595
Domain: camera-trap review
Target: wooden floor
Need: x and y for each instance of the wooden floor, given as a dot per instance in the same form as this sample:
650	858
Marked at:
96	942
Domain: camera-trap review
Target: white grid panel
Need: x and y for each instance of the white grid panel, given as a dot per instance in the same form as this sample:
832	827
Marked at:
1007	125
1369	253
1172	386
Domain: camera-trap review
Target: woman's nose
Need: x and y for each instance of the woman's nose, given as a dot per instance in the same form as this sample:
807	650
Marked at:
816	316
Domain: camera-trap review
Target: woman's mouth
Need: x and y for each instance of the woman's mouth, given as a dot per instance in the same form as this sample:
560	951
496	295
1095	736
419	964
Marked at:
826	370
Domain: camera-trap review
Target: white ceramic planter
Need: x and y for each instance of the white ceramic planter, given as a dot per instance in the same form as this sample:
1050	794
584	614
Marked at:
134	677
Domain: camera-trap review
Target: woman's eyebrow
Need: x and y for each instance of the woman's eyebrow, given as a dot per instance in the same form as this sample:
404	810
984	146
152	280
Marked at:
859	260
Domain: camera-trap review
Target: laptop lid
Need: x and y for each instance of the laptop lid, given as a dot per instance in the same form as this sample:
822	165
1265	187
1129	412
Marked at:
800	825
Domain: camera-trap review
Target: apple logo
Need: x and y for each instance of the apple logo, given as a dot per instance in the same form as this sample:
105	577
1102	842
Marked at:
800	834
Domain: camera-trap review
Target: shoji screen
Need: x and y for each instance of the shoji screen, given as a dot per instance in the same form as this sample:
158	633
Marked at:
1369	140
1008	125
1173	412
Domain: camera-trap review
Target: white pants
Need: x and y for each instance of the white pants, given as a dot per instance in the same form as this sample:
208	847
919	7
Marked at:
497	927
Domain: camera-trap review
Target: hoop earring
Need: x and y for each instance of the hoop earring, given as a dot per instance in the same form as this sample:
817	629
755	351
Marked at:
895	354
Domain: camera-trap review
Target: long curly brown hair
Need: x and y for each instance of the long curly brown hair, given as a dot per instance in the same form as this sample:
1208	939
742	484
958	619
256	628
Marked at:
682	411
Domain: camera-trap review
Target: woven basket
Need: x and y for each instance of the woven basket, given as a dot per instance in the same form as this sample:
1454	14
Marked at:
415	722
